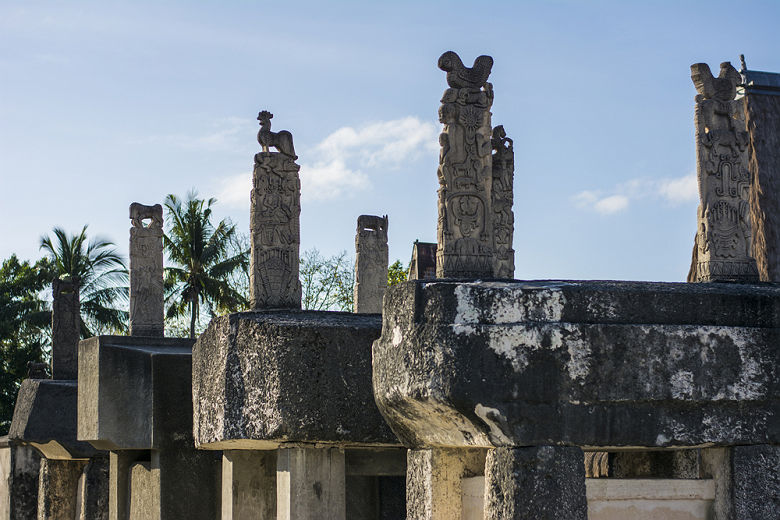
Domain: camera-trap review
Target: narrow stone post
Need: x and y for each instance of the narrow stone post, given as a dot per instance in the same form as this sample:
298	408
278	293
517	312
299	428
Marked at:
722	248
465	231
502	201
58	484
248	485
371	259
546	482
434	481
310	484
275	221
65	327
762	107
146	271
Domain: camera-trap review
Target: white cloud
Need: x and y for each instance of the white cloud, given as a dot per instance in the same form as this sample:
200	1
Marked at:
682	189
675	191
234	190
612	204
330	180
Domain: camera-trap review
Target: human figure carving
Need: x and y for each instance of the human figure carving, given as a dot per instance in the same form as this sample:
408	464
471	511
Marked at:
281	140
460	76
139	212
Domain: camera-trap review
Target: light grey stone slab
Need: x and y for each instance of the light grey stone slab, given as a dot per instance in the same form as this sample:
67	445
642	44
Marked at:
371	259
310	484
249	485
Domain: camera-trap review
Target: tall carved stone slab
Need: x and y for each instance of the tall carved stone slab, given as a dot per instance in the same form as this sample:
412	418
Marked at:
275	229
502	200
371	258
722	250
465	234
146	271
65	327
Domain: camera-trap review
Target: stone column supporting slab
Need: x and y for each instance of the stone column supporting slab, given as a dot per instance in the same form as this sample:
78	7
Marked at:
248	485
146	271
433	481
58	486
310	484
544	483
95	489
23	482
502	199
371	258
120	463
65	326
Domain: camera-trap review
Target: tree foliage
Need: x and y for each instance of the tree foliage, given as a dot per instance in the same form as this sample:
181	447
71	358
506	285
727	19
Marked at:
327	283
25	321
100	274
203	258
396	273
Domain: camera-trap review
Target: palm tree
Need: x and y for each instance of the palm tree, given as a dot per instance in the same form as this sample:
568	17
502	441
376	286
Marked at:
100	275
204	259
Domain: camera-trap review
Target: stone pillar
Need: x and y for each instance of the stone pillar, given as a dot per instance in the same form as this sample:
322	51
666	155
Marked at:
310	484
248	485
433	481
502	199
275	222
58	489
464	231
23	482
371	259
762	107
545	483
120	463
65	326
722	248
95	492
146	271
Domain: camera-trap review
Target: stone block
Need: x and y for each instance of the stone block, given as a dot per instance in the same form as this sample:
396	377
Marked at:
262	379
23	482
544	483
95	489
134	392
310	484
45	418
248	485
58	489
755	475
610	364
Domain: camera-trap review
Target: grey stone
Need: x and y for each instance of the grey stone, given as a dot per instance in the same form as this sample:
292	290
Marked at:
722	249
146	271
540	483
95	489
282	140
22	482
423	263
502	199
58	486
65	329
534	363
249	485
681	464
763	126
371	259
275	227
464	232
310	484
45	417
756	482
262	379
134	392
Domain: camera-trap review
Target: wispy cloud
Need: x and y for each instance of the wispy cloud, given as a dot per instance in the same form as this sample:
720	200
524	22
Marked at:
674	191
223	135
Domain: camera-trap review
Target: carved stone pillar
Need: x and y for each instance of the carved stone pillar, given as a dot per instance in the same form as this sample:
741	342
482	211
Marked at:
465	234
502	200
371	258
722	250
275	222
146	271
65	327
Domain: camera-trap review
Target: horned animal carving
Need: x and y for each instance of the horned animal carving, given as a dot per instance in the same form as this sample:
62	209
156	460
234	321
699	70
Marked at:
281	140
139	212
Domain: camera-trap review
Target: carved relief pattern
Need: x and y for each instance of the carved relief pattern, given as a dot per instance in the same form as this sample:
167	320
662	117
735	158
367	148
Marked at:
65	328
723	242
146	279
502	200
371	259
275	229
465	235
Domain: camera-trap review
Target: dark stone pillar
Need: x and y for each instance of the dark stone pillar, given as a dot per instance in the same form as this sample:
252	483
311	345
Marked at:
65	326
755	482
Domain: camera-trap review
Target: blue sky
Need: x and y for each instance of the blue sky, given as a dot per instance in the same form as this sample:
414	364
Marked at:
106	103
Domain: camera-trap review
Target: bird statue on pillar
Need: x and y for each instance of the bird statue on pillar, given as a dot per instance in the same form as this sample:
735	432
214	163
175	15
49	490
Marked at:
460	76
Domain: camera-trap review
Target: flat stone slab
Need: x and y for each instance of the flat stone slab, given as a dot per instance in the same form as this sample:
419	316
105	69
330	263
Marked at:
266	378
134	392
591	364
45	418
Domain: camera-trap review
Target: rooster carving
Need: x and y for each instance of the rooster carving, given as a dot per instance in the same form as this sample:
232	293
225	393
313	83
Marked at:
460	76
722	88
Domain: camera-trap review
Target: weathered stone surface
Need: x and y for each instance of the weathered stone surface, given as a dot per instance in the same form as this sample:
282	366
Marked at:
544	483
654	464
651	499
95	489
65	327
261	379
579	363
502	199
23	482
465	232
722	249
755	482
763	126
146	271
249	485
134	392
371	259
58	485
310	484
45	417
275	229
